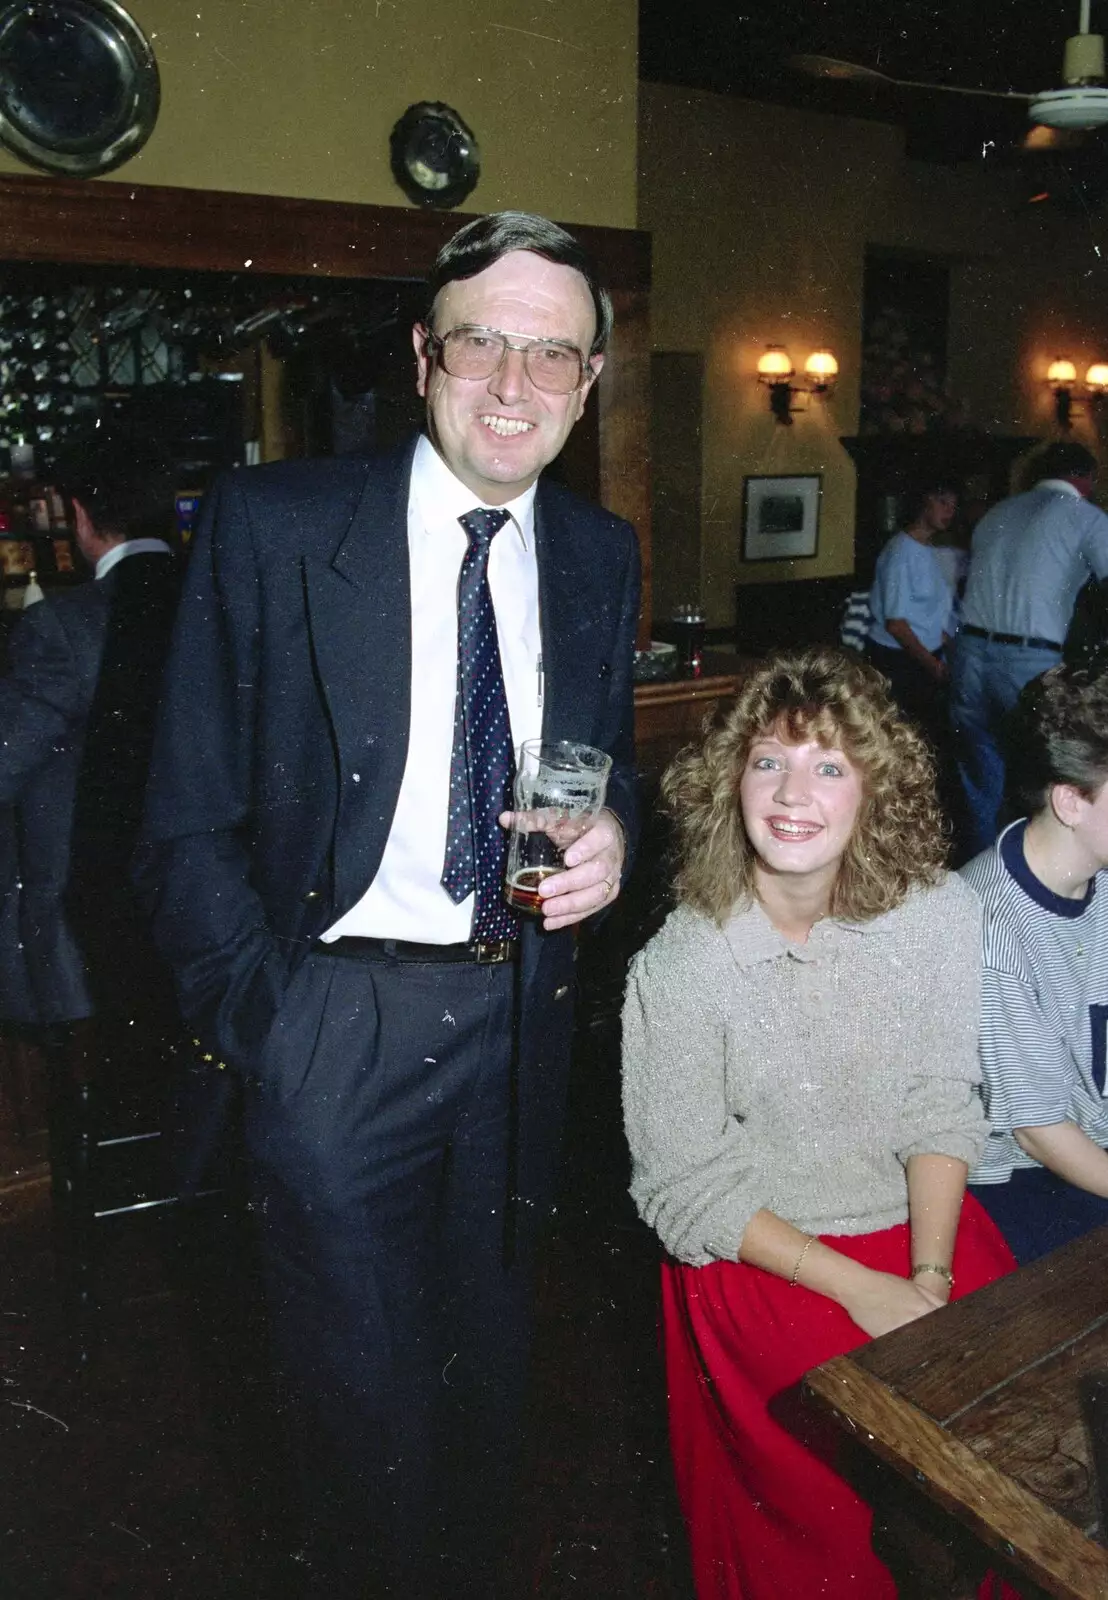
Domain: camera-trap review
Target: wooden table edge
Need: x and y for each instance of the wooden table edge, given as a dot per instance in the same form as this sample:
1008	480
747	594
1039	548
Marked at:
955	1474
669	691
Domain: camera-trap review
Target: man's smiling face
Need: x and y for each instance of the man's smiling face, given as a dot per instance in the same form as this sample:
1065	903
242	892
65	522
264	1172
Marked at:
496	434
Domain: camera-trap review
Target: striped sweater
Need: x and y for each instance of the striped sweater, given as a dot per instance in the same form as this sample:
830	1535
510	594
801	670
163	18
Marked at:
1044	1022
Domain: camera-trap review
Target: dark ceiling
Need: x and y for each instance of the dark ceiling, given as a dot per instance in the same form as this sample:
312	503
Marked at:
743	47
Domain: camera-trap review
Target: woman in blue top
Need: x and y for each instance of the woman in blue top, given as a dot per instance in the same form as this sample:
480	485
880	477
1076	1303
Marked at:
1044	1006
912	607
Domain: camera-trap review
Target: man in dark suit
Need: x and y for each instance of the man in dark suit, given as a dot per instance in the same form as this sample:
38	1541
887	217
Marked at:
403	1040
76	724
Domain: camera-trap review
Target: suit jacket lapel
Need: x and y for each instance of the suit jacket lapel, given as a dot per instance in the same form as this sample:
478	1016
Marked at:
359	606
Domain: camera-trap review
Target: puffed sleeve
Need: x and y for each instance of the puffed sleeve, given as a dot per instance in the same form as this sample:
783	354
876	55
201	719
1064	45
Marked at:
696	1179
942	1112
894	583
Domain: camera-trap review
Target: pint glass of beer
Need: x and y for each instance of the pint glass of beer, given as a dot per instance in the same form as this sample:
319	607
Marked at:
559	790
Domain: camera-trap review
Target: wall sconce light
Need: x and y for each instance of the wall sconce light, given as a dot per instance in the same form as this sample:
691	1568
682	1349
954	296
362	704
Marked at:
1062	377
776	371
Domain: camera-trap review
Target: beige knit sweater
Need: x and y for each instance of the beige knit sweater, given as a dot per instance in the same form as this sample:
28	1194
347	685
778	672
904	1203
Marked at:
799	1078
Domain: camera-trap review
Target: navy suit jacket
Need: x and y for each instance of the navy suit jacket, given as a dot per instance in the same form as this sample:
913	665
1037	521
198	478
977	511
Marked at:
284	736
76	713
45	696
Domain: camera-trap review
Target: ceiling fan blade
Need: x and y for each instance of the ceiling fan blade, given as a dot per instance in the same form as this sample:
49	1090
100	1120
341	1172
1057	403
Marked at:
831	68
837	71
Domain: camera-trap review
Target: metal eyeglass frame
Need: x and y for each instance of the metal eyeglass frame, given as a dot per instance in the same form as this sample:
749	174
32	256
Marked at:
438	342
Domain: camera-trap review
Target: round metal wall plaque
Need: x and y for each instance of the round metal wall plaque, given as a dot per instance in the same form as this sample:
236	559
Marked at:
435	158
79	89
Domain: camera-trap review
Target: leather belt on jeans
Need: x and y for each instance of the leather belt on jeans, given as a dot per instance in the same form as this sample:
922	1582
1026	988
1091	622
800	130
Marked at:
1027	641
485	952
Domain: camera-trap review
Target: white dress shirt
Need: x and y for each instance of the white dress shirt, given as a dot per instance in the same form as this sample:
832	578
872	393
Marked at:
406	899
130	547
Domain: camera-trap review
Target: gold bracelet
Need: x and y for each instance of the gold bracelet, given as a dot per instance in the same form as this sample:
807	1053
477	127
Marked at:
933	1266
799	1259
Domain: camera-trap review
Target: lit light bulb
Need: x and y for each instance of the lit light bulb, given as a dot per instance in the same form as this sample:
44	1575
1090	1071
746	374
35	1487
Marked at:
774	364
822	366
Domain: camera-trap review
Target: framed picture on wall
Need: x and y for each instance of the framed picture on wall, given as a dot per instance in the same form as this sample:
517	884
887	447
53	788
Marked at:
781	517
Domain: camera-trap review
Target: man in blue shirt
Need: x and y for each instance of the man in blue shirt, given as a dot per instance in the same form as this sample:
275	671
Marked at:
1031	555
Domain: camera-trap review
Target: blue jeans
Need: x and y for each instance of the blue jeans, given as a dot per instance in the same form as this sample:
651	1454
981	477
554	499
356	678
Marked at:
985	682
1037	1211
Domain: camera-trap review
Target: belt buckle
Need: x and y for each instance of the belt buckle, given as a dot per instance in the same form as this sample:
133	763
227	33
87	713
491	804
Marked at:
491	952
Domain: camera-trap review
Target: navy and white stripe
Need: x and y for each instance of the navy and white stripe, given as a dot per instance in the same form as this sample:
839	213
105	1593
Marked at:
1044	1004
855	623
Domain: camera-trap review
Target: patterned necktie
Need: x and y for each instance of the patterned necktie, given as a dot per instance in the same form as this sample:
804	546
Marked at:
481	763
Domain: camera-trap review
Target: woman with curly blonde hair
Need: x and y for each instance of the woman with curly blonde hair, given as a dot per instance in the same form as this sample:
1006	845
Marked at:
801	1099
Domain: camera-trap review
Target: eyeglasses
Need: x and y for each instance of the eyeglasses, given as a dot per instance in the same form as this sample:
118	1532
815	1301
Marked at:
472	352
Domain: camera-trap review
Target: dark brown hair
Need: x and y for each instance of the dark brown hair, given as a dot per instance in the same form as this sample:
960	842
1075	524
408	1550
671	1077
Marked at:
1058	733
484	240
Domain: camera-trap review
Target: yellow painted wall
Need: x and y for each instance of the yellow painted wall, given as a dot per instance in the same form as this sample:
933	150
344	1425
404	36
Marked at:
297	97
760	218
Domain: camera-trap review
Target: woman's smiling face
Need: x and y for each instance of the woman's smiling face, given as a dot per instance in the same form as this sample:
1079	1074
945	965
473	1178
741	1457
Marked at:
799	805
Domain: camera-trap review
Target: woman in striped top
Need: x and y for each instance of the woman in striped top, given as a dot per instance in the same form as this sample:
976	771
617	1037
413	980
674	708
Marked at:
1044	890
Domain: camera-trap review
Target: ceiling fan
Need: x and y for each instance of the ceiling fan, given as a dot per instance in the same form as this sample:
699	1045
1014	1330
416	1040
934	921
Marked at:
1080	104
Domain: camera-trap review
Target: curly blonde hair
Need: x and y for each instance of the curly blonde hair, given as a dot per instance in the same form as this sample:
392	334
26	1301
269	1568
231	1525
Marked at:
899	839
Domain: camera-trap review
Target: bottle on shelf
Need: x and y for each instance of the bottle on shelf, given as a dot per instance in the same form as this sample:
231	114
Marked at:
36	513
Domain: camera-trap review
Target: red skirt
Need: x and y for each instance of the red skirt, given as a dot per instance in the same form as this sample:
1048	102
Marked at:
769	1515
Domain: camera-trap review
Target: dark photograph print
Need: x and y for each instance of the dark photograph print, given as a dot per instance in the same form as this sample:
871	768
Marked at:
781	517
781	513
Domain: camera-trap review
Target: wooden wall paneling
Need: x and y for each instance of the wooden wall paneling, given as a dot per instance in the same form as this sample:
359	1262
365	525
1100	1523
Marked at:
625	427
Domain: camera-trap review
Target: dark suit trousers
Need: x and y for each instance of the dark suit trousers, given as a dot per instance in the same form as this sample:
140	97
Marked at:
380	1132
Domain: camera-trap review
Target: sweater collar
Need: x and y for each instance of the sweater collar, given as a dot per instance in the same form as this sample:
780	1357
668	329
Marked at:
752	937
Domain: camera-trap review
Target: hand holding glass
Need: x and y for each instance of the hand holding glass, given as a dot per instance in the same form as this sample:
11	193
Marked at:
559	793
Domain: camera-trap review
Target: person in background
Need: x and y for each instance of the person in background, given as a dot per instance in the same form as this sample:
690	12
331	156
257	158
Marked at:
76	724
801	1101
362	644
951	547
912	609
1029	558
1043	888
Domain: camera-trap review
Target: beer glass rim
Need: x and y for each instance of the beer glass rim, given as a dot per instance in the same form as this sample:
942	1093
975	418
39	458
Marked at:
565	753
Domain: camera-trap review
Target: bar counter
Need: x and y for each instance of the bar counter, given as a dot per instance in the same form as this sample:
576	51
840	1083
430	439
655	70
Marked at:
670	714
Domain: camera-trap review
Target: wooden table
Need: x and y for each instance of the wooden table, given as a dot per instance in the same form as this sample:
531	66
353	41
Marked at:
979	1405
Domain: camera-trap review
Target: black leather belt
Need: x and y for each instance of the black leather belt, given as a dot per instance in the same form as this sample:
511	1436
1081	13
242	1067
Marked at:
485	952
1027	641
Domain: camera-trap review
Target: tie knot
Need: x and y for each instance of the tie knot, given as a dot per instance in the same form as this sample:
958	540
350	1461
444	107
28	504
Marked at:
481	524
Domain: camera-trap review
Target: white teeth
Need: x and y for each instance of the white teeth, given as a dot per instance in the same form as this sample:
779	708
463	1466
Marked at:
791	827
507	427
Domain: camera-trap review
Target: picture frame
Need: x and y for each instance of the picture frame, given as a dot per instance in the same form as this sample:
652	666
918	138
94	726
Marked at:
781	517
